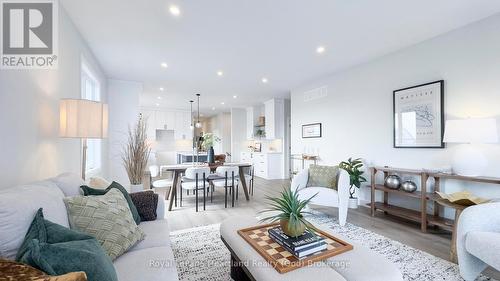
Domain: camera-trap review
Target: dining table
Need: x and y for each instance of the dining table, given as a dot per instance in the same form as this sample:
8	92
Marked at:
179	169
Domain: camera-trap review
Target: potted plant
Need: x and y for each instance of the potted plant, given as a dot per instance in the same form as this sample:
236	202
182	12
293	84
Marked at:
353	168
288	209
260	133
209	140
136	153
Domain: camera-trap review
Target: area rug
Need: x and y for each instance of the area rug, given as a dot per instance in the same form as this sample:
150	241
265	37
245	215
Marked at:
201	255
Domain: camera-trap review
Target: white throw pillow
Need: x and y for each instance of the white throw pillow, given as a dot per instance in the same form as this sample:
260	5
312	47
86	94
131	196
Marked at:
69	183
18	206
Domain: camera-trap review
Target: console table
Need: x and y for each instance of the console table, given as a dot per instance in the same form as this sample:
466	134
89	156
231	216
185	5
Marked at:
425	197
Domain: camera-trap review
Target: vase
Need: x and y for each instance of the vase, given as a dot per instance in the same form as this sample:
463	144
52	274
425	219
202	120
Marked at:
393	182
136	188
292	231
353	203
211	157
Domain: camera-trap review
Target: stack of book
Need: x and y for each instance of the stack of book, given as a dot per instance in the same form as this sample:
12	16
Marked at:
301	247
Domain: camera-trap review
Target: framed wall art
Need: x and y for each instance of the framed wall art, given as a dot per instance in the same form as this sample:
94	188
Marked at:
419	116
311	131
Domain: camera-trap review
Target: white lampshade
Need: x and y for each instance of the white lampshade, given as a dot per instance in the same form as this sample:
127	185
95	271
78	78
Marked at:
83	119
476	131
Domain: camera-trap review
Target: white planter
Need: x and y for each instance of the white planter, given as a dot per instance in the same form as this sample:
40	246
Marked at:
353	203
136	188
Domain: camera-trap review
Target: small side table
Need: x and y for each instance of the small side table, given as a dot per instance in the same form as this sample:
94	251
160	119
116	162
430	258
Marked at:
458	210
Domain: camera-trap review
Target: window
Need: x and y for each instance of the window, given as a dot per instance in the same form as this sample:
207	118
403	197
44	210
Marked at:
91	91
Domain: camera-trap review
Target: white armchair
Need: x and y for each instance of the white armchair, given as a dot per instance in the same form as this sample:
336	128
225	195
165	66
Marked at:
478	239
326	196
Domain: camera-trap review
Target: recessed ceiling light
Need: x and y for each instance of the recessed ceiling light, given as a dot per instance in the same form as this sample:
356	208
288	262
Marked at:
162	89
264	80
159	97
320	49
157	104
164	65
213	108
222	103
235	96
220	73
174	10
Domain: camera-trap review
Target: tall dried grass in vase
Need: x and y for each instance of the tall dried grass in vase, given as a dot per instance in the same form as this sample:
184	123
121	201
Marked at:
136	151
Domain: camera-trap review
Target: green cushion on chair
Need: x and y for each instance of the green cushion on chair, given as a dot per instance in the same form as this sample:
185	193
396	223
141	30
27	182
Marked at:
93	191
323	176
57	250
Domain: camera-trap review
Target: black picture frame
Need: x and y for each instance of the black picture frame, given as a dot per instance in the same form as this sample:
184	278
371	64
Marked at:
440	144
318	135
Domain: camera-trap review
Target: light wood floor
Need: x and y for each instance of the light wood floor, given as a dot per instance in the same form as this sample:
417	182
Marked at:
435	242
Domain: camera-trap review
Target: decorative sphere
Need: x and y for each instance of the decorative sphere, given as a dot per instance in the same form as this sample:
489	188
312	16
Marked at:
409	186
392	182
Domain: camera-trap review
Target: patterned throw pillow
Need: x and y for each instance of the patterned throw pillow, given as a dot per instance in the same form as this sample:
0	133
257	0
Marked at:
107	218
11	270
146	203
323	176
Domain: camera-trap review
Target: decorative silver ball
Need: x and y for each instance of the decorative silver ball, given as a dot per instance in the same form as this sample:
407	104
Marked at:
392	182
409	186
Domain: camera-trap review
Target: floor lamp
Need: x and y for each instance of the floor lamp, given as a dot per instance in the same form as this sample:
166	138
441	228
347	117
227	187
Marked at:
83	119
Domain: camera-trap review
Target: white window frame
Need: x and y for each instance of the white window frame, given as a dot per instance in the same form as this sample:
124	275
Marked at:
91	90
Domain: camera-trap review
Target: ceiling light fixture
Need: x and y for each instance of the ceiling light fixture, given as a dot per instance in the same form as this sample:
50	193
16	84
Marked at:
264	80
320	49
191	126
235	96
222	103
157	104
198	124
174	10
164	65
162	89
213	108
159	97
220	73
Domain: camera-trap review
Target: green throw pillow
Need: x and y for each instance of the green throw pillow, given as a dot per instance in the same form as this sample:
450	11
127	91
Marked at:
323	176
93	191
58	250
107	218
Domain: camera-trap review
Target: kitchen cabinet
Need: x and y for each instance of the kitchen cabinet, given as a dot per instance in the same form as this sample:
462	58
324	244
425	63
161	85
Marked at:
266	165
176	120
275	118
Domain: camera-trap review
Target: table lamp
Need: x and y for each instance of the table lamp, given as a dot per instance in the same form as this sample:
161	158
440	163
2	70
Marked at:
83	119
468	159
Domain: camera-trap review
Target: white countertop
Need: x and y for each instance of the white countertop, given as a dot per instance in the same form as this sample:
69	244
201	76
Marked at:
189	153
269	152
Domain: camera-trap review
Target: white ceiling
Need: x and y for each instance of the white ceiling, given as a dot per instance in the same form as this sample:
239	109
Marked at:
251	39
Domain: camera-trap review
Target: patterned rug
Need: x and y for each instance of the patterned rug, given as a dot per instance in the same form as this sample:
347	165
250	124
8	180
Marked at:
201	255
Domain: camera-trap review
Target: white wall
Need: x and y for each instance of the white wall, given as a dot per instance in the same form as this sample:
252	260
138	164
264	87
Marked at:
357	113
123	97
30	148
239	141
220	125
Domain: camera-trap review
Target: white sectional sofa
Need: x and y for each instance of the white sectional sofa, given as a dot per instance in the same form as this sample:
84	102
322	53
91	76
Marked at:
151	259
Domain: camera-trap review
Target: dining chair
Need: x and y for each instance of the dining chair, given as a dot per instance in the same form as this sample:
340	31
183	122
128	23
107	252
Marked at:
157	182
195	179
229	179
249	179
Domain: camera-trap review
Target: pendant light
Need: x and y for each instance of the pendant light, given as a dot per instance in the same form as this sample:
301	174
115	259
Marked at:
198	124
191	126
